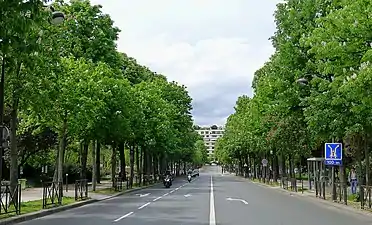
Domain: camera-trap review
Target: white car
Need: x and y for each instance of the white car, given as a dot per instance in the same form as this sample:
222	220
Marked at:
195	172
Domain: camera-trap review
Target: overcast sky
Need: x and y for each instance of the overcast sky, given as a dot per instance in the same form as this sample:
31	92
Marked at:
211	46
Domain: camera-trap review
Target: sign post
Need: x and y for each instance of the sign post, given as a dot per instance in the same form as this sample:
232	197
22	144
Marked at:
333	157
264	164
333	154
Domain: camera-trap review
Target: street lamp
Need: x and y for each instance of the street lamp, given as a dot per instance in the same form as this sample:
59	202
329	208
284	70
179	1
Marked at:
57	17
302	81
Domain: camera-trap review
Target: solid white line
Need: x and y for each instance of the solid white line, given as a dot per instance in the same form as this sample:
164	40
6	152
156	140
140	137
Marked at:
157	199
212	213
143	206
126	215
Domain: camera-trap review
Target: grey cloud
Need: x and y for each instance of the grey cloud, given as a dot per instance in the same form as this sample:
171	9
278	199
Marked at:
217	85
220	101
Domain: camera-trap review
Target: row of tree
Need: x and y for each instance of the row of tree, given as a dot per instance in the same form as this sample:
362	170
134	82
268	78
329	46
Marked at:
69	89
314	89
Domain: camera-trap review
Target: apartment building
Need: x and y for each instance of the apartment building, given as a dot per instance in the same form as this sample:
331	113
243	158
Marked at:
210	136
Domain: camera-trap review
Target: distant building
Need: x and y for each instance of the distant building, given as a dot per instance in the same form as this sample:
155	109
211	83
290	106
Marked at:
210	136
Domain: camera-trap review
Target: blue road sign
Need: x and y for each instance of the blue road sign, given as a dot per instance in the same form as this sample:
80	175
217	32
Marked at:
333	154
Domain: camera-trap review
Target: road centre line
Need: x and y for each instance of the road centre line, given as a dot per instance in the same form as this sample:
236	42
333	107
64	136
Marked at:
143	206
148	203
122	217
212	213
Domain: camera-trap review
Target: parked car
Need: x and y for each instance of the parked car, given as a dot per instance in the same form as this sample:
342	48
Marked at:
195	172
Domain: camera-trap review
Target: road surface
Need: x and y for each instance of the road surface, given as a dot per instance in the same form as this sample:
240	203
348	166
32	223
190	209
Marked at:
209	200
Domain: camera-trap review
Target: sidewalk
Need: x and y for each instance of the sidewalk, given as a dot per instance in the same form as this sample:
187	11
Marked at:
310	194
32	194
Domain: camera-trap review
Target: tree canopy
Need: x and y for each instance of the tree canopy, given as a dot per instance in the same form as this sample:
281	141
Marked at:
68	84
328	44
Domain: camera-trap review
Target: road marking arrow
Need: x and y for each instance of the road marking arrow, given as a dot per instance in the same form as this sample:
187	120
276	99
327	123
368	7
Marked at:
143	195
188	195
236	199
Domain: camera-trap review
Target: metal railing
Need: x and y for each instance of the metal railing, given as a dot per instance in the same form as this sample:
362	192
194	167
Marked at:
289	183
10	199
81	189
365	196
320	186
52	194
341	196
118	184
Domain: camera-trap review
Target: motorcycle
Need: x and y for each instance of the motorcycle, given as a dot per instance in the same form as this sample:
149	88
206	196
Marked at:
167	182
189	178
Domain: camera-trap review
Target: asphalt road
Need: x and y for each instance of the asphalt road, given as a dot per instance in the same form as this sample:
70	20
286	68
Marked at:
209	200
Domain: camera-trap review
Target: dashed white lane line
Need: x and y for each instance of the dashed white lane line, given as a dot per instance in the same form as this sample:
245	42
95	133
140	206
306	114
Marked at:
122	217
148	203
143	206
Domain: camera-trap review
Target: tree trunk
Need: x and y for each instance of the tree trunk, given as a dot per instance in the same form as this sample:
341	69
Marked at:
366	152
122	161
98	162
140	173
178	168
62	148
55	176
138	165
94	165
145	165
283	167
84	158
131	157
113	164
155	165
13	150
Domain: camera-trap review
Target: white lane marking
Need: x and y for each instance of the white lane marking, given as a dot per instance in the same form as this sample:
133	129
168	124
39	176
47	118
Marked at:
212	213
143	195
122	217
165	194
237	199
157	198
143	206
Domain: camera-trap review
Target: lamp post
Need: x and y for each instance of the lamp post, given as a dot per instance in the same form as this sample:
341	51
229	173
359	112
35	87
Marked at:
57	17
272	165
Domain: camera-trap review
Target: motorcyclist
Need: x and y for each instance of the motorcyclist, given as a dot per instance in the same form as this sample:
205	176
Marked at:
167	175
189	172
189	175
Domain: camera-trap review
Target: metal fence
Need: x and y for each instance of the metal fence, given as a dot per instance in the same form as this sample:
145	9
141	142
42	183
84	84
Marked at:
118	184
10	199
289	183
52	194
81	189
365	197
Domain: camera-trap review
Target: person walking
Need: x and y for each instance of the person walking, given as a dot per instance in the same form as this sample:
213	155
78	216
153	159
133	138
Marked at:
353	180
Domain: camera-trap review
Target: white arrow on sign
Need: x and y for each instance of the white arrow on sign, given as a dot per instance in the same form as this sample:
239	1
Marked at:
143	195
236	199
188	195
